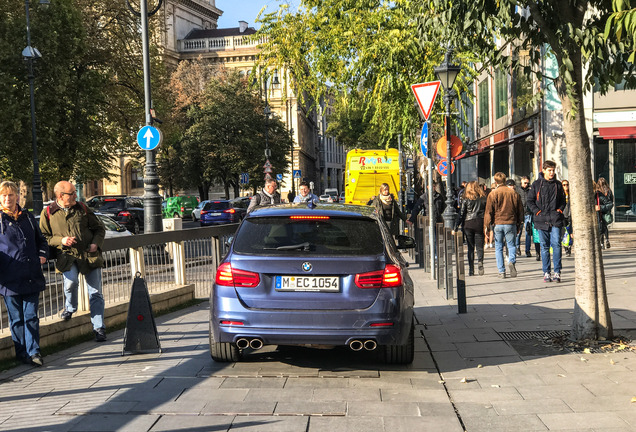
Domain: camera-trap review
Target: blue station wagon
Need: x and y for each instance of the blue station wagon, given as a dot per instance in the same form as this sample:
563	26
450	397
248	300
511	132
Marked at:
330	275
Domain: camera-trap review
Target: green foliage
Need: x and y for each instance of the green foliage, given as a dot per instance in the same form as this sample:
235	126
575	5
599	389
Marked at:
622	25
88	88
366	51
489	29
223	129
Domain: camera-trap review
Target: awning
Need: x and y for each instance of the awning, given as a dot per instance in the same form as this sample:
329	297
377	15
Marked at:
623	132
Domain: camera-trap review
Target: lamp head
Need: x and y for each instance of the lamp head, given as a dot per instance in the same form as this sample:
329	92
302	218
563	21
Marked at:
447	72
30	53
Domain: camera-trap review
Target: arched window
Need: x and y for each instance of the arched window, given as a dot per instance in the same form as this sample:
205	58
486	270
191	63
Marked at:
136	178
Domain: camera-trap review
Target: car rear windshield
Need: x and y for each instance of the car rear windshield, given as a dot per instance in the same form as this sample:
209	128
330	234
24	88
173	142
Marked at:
333	236
109	203
217	205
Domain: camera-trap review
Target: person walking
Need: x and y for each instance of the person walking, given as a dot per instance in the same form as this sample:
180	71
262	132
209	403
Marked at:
77	235
505	211
567	219
471	220
604	204
546	200
267	196
305	194
388	208
23	250
523	190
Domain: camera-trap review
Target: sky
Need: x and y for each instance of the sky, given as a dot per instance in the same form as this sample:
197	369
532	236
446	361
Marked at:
245	10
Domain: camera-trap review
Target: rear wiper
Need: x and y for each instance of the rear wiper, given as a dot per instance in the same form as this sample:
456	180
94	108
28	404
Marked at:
304	246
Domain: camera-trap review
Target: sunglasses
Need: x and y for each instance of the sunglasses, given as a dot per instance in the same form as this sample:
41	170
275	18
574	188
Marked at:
69	193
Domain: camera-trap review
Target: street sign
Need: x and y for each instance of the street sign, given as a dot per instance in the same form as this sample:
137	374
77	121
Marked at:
149	138
296	174
245	178
442	168
425	94
424	139
279	177
267	164
267	170
409	163
456	146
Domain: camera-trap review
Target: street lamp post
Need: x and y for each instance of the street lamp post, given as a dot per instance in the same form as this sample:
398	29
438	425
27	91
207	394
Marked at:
31	54
152	199
447	73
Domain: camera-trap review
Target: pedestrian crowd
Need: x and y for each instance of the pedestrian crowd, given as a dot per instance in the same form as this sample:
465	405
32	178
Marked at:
498	217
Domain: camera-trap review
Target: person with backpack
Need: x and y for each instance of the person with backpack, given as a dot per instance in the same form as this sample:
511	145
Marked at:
23	250
76	235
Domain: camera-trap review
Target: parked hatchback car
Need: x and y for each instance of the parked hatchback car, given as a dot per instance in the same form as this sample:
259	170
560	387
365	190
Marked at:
331	275
127	211
179	206
219	212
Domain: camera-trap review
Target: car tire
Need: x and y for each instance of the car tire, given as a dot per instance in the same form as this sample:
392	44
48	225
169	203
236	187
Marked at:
401	354
224	352
136	227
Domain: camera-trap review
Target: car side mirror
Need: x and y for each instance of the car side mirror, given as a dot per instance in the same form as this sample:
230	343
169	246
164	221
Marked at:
405	242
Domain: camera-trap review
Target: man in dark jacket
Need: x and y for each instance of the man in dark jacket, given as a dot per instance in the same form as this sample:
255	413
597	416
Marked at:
267	196
546	201
77	236
422	204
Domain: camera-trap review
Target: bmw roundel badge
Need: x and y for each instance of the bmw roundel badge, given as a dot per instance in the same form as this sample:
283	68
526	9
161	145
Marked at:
307	266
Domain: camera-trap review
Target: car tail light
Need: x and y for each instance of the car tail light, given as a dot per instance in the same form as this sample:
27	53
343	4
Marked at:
124	214
308	217
227	322
182	208
204	212
381	324
229	211
228	276
390	277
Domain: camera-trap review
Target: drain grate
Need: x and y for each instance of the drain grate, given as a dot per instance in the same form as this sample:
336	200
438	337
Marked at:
529	335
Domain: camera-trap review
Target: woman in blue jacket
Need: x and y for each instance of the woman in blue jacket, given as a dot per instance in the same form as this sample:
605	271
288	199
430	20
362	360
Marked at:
23	250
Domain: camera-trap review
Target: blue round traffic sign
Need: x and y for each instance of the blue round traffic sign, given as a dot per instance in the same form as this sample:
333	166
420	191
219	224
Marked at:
149	138
424	139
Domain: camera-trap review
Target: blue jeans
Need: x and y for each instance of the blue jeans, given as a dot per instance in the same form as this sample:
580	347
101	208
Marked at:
527	220
550	238
509	232
94	287
24	323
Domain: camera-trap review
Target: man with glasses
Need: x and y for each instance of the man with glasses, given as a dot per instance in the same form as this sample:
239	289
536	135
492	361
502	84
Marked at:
77	235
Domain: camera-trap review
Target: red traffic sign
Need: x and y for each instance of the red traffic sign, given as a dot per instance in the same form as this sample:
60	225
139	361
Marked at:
442	168
425	94
456	146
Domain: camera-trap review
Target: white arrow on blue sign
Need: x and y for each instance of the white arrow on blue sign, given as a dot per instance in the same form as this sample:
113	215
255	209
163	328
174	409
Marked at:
245	178
149	138
424	139
296	174
279	177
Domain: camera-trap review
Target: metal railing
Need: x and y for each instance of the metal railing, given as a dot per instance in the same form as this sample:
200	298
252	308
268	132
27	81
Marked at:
228	43
166	259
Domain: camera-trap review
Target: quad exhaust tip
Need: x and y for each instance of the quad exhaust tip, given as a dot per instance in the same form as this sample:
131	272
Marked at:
357	345
255	344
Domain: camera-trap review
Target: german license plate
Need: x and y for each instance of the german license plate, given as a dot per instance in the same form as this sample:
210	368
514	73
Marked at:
215	214
308	283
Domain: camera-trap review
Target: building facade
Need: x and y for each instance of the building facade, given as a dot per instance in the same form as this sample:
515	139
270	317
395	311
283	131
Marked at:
190	31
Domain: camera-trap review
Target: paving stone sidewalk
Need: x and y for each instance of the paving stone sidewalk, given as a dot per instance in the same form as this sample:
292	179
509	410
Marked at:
522	385
465	375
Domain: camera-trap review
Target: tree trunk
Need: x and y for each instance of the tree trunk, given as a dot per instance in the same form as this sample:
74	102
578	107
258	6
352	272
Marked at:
591	310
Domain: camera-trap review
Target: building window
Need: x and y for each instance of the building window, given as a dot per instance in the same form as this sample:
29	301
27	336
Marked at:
136	179
501	94
483	103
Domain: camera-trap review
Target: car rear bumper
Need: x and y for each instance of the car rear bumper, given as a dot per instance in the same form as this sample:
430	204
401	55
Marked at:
300	327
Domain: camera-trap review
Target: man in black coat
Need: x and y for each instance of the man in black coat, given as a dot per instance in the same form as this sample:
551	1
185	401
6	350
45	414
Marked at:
546	201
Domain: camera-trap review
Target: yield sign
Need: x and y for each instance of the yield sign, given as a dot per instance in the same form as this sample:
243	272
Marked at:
425	94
